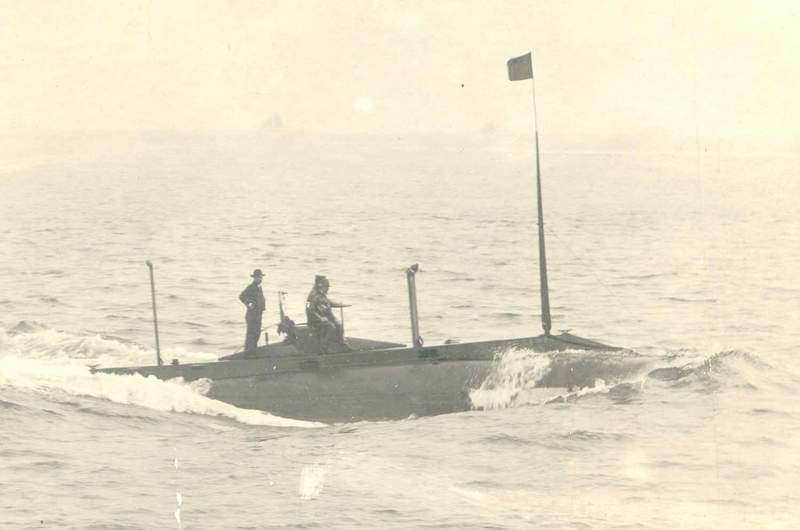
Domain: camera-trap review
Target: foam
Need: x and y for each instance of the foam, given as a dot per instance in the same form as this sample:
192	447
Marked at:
37	341
150	392
512	380
44	360
599	387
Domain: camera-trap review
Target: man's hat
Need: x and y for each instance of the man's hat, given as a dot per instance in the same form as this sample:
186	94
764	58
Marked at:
257	274
319	278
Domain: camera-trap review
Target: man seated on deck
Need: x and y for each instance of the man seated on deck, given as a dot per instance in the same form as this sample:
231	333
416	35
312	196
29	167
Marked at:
253	298
320	317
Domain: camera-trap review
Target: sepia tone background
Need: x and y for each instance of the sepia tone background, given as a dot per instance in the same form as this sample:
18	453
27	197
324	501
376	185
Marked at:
353	139
657	72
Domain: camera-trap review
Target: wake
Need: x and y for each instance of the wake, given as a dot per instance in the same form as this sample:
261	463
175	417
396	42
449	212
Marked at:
523	377
42	360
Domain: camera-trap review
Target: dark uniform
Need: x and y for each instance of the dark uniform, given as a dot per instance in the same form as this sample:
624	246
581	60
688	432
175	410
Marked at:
320	317
253	298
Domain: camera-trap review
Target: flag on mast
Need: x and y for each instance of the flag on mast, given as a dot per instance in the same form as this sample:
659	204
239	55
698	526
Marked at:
520	68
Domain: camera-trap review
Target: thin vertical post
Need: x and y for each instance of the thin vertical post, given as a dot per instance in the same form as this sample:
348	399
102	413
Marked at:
546	324
341	317
416	340
155	315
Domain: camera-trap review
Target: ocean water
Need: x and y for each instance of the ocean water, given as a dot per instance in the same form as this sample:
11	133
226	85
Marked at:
690	258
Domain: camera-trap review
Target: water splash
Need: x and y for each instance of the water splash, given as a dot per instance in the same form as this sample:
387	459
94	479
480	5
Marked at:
53	363
524	377
512	379
599	387
150	392
35	340
724	369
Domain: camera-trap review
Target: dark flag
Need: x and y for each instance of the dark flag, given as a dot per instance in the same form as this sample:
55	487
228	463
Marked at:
520	68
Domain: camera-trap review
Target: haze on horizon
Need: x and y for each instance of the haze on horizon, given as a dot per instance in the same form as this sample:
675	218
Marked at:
622	69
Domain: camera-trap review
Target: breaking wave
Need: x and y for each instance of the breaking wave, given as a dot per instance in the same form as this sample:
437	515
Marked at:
49	362
524	377
34	340
512	380
733	369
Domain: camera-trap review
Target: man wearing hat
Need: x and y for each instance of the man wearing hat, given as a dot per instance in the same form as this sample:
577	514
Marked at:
253	298
320	317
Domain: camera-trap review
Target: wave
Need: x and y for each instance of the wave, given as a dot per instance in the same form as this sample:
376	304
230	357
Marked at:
732	369
648	276
53	380
689	300
524	377
10	405
727	358
511	380
505	439
53	364
593	436
599	387
34	340
51	300
506	315
620	393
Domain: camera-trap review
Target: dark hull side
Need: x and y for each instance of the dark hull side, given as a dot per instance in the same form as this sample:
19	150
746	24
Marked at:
385	384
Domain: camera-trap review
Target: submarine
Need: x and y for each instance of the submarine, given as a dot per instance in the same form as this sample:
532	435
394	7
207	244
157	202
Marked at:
376	380
368	380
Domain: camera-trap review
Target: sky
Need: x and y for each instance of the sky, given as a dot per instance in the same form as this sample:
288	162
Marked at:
608	69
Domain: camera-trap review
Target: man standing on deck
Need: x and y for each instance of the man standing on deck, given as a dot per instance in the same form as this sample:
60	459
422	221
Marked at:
253	298
320	317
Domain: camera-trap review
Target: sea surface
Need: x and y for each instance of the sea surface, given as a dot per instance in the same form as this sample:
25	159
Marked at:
689	257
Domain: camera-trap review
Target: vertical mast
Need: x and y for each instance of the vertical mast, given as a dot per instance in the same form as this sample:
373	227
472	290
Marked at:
542	257
155	316
416	340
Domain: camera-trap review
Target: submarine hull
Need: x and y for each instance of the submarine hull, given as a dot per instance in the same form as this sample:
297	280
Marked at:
385	384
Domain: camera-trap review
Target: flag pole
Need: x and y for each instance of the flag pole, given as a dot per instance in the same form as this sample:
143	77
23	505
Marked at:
546	324
155	316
